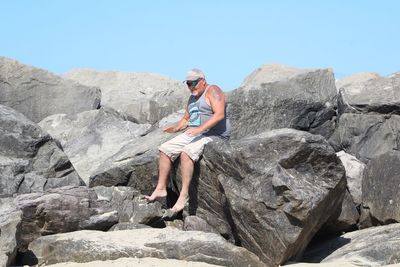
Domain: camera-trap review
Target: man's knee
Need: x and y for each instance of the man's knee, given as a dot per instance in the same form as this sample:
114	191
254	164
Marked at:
185	157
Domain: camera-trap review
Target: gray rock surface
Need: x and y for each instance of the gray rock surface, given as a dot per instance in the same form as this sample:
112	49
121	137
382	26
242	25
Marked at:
380	189
90	138
376	246
136	262
30	160
146	97
271	191
278	96
37	93
366	136
354	175
10	216
62	210
167	243
366	93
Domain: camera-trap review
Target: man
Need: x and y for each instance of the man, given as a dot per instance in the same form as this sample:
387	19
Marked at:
204	120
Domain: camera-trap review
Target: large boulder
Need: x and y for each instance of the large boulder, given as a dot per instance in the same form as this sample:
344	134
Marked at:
146	97
10	217
368	92
90	138
167	243
30	160
366	136
270	192
278	96
376	246
380	190
37	93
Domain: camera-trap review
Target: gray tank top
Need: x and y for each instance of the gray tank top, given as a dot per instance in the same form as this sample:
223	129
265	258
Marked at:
200	112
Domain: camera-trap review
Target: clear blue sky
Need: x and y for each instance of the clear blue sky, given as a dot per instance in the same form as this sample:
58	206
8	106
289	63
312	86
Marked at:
227	39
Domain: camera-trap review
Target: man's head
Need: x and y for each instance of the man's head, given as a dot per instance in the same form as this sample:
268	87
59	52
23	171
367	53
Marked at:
196	82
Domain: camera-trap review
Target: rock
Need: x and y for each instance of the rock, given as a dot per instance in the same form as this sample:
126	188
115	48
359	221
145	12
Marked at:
195	223
134	165
127	226
136	262
30	160
356	81
62	210
380	188
376	246
37	93
90	138
167	243
171	119
278	96
147	213
366	136
354	174
272	192
10	216
344	220
366	93
146	97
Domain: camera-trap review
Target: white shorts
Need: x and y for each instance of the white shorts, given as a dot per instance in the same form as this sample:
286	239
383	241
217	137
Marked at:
193	146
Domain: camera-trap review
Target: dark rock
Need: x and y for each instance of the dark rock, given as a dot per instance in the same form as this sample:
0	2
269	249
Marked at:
271	192
366	136
30	160
277	96
380	189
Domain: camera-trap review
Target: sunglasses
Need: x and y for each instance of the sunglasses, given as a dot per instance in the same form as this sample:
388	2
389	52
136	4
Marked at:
193	83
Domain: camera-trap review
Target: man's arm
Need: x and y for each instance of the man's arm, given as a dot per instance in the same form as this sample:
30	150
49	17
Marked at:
180	125
217	102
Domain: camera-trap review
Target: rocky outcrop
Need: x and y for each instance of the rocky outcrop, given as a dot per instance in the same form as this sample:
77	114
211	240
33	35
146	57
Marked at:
37	93
10	216
271	192
167	243
376	246
144	96
365	93
366	136
278	96
30	160
380	187
90	138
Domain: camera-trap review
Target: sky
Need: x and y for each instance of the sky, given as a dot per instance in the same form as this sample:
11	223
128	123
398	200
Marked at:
226	39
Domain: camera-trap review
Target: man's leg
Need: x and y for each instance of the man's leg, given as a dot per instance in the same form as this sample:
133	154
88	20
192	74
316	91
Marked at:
165	165
187	167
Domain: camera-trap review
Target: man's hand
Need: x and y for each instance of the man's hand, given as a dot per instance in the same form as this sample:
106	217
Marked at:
170	129
194	131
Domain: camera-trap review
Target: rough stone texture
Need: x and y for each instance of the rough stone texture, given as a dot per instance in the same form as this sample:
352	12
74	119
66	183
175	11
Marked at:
121	199
278	96
127	226
356	80
195	223
37	93
354	174
144	96
380	187
136	262
10	216
365	93
167	243
90	138
135	164
62	210
271	192
376	246
30	160
171	119
366	136
344	220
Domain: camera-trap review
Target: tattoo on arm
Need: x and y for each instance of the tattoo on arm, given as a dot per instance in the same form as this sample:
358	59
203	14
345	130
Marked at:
216	95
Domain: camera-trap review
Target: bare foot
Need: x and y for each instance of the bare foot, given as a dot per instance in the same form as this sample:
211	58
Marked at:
158	193
180	203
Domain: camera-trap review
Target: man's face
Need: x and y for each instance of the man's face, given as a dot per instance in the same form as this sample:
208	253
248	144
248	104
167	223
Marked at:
195	86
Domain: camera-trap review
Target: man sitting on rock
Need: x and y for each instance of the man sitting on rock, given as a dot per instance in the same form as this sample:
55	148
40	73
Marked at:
205	120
